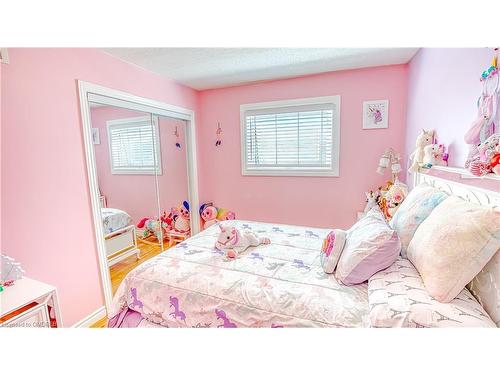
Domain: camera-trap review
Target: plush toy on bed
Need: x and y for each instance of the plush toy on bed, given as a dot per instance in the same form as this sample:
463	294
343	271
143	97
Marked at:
234	242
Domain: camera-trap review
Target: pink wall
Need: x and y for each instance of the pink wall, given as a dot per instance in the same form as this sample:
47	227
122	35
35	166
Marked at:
443	87
134	193
315	201
46	214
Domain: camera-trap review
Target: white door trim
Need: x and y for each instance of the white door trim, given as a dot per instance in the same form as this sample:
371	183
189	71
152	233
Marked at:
156	108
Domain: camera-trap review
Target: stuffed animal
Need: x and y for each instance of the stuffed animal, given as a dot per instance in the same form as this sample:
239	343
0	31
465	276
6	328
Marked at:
150	227
234	242
424	138
392	198
225	214
182	220
371	200
208	215
486	160
211	214
430	153
483	126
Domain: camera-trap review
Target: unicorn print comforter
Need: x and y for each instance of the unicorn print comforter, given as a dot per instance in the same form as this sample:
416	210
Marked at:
277	285
114	219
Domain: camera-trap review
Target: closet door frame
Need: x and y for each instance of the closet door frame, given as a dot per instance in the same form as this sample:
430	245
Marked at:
108	96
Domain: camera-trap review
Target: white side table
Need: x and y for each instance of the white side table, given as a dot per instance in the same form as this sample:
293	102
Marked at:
31	304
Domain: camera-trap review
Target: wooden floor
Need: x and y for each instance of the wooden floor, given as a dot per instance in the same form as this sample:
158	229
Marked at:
119	270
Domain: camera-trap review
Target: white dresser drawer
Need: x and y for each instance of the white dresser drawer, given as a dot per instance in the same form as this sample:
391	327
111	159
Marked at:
36	317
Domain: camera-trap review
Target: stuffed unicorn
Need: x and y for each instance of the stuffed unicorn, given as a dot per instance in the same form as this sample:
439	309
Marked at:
423	139
233	241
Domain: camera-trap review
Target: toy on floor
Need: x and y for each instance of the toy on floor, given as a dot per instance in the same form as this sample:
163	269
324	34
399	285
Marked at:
371	200
424	138
177	220
234	242
208	215
182	219
211	215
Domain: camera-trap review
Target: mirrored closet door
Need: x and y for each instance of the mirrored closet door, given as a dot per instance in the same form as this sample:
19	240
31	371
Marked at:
141	172
172	180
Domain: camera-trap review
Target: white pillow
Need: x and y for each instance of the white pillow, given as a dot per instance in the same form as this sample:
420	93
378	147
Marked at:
453	244
397	298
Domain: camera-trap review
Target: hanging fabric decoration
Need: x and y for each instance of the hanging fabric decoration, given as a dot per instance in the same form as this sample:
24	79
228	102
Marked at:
219	134
487	120
177	142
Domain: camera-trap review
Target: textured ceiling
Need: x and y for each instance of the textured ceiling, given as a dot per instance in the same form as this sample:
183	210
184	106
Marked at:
206	68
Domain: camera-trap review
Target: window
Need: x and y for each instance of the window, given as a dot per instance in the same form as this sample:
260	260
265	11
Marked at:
134	146
291	138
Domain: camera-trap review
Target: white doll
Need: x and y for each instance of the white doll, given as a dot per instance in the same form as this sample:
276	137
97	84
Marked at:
423	139
233	241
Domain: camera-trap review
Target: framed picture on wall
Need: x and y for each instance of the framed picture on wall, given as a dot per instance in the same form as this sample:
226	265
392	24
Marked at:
96	139
376	114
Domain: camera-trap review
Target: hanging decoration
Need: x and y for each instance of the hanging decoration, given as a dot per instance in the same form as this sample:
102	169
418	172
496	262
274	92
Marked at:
219	135
177	142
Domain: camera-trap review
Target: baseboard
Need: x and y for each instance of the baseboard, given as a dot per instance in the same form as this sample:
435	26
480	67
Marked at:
91	319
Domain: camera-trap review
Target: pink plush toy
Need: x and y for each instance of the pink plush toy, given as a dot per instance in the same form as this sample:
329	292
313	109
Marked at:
234	242
208	214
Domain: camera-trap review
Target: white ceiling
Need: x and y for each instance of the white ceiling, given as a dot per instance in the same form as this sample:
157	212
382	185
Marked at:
206	68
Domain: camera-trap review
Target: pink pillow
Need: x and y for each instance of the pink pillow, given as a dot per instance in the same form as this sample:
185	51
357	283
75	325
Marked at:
371	246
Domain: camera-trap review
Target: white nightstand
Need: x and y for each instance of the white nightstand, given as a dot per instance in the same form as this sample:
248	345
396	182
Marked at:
31	304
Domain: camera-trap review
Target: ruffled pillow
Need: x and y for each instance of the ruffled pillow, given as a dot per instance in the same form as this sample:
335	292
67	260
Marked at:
371	245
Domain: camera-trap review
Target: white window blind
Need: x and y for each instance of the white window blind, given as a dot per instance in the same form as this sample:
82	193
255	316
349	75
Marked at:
134	146
291	138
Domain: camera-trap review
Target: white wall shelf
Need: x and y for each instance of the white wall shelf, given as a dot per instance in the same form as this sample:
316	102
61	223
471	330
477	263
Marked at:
464	173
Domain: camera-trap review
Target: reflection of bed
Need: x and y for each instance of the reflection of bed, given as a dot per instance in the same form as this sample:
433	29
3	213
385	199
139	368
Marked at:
119	235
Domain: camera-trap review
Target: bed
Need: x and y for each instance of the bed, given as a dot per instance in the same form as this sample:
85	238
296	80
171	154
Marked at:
279	285
283	285
119	235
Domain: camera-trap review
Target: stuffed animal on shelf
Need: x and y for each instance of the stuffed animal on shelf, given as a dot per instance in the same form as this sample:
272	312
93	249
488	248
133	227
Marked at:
486	160
234	242
211	215
208	214
424	138
371	200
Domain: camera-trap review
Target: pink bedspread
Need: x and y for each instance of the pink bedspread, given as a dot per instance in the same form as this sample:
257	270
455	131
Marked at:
276	285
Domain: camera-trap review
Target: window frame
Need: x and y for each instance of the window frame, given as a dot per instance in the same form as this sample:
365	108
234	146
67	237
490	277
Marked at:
333	171
156	146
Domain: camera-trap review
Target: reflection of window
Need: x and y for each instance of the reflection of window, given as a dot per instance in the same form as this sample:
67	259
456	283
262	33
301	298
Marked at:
134	146
295	137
